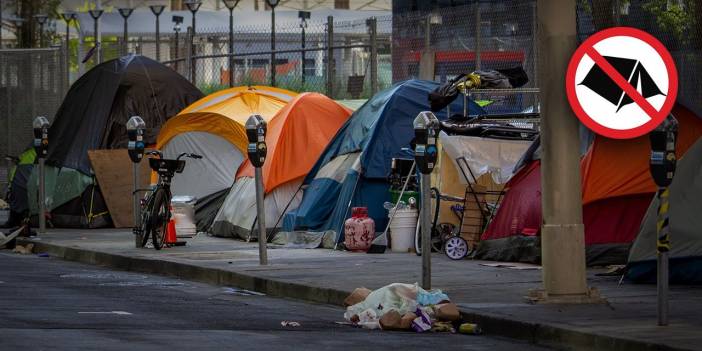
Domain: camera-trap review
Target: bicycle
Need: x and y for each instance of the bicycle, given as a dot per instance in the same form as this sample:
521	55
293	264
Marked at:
156	205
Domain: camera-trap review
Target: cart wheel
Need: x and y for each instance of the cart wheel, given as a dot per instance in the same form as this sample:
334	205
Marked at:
456	248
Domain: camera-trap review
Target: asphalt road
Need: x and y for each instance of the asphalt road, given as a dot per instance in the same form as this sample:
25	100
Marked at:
51	304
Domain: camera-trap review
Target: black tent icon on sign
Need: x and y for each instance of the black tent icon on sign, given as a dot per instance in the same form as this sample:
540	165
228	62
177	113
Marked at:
635	73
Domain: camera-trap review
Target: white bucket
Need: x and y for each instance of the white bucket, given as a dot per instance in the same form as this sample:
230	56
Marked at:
402	230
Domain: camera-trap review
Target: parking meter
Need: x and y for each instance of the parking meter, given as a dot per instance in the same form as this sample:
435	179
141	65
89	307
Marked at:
41	146
135	149
41	136
256	133
135	133
426	130
663	159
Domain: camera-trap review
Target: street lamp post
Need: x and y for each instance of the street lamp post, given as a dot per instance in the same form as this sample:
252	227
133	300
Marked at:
95	14
272	4
68	17
176	28
193	6
231	4
304	16
41	19
125	13
157	10
0	24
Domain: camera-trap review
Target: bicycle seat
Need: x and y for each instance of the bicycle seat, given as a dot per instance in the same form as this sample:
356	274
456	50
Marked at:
169	167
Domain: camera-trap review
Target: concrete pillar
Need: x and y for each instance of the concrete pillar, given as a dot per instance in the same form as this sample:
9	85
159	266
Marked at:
562	232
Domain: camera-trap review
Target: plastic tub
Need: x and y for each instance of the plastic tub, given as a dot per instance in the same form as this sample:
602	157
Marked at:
402	230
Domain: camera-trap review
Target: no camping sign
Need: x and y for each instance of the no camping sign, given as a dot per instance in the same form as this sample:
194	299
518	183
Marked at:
621	82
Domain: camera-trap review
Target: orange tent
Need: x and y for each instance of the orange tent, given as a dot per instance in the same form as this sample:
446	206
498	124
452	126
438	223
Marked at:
214	127
296	137
616	167
617	190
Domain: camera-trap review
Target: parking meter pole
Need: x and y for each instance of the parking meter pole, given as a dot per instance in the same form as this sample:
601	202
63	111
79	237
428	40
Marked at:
135	149
42	197
663	161
135	199
261	215
662	245
426	129
426	230
40	129
256	134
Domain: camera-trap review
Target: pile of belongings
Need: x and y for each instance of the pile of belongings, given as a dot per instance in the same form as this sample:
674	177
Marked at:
402	307
508	78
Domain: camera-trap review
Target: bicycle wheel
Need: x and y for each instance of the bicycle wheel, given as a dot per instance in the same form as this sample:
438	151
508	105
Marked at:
145	222
159	218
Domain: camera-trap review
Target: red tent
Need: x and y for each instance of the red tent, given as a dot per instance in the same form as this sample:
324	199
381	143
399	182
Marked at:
617	190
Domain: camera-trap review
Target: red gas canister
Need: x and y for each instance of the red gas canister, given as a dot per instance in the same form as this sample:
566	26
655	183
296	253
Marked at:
359	230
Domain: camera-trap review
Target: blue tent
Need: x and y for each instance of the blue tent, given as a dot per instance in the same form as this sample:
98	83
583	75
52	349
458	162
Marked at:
353	169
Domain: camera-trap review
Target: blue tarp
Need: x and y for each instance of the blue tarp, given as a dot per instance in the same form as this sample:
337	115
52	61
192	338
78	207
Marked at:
379	130
383	126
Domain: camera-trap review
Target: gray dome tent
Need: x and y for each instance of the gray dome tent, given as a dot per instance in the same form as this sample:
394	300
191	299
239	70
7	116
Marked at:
685	227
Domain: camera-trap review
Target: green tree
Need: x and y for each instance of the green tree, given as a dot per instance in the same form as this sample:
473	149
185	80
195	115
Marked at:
28	32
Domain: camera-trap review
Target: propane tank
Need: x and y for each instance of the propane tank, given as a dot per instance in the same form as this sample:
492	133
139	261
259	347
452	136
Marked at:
359	230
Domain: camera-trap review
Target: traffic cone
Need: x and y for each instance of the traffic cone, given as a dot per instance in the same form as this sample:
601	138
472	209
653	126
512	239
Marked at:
171	232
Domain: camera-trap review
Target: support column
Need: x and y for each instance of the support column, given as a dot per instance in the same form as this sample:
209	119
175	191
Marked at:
562	232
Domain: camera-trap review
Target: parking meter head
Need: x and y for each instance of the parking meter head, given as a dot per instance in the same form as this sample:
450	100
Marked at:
135	133
256	133
663	158
40	127
426	129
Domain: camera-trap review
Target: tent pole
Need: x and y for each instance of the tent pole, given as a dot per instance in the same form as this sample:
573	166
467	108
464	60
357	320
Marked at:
286	207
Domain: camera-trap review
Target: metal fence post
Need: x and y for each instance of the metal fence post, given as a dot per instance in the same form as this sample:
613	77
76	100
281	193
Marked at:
478	38
373	31
189	62
330	56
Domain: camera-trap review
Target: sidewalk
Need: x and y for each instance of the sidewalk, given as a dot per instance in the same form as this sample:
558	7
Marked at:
493	297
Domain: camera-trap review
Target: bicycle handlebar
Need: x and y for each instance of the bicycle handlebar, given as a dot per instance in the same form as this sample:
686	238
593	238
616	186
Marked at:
189	155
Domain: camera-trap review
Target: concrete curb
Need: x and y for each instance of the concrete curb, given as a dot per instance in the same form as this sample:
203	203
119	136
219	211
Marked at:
536	333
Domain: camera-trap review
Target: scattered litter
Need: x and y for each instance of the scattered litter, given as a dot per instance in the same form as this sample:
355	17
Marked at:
24	250
119	313
470	328
42	254
290	324
426	298
613	271
405	307
517	266
242	292
423	322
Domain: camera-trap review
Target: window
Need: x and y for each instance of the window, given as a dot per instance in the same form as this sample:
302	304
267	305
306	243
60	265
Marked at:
342	4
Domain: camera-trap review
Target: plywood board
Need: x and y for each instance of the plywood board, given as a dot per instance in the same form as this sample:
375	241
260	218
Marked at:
113	170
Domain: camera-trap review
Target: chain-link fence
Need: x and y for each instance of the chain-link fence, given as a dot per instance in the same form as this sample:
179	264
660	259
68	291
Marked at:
677	24
33	83
442	43
359	52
